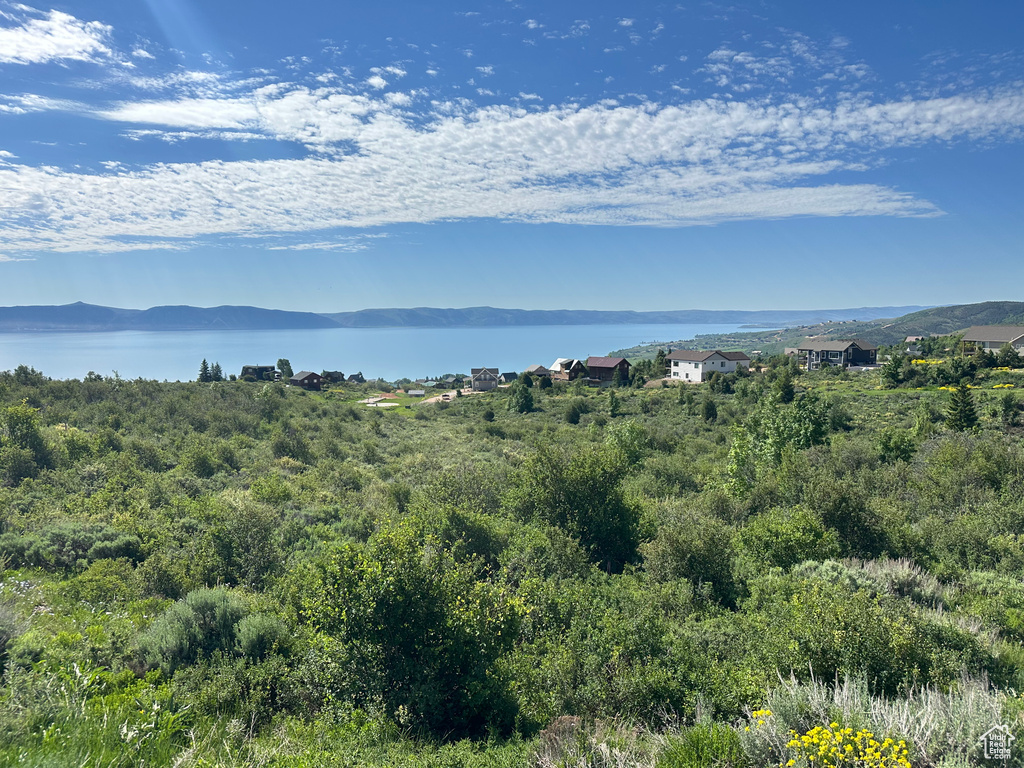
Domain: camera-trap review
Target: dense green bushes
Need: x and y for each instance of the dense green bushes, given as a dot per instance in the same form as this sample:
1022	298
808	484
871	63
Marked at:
67	545
245	555
403	628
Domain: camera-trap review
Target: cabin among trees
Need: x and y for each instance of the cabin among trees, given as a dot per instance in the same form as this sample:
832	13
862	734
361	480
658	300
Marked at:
608	371
259	373
307	380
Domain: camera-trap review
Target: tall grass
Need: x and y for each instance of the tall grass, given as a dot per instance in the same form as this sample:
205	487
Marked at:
941	728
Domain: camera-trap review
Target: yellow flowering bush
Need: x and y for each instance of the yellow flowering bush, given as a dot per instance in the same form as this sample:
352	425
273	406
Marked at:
835	747
757	717
1002	386
921	361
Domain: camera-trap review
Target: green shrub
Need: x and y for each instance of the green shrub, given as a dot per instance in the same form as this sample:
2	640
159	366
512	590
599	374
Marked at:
193	628
582	494
694	546
403	627
786	537
260	634
712	745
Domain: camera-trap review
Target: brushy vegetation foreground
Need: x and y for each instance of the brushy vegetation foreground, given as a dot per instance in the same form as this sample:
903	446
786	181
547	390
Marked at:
773	569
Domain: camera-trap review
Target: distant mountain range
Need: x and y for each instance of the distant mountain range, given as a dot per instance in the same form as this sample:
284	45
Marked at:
89	317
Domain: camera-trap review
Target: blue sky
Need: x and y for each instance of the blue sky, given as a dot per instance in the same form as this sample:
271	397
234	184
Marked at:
337	155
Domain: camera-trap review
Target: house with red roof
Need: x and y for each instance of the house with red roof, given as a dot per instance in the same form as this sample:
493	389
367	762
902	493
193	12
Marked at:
601	370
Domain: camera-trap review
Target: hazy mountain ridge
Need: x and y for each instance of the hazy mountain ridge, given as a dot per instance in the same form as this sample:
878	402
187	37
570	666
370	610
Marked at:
89	317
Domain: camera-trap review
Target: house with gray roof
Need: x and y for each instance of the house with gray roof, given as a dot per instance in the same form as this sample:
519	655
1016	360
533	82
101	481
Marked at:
307	380
483	379
694	365
993	337
815	353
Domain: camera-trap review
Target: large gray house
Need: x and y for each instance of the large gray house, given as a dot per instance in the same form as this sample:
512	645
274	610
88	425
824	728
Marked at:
993	337
815	354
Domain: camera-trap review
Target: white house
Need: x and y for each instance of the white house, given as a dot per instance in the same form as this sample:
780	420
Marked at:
695	365
567	369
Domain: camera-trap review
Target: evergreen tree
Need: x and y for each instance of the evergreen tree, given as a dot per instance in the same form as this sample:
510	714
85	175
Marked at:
961	414
613	403
660	365
983	358
216	373
708	410
1010	410
204	371
617	378
1008	357
892	371
520	399
784	386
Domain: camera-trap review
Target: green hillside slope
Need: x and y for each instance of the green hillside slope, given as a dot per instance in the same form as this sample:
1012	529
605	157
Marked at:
939	320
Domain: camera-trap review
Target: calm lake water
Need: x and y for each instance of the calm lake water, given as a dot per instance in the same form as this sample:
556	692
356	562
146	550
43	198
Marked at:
387	353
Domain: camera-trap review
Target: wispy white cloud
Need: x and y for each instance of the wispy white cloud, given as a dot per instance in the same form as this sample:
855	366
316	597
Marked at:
340	244
4	258
771	64
646	164
626	22
393	70
28	36
191	113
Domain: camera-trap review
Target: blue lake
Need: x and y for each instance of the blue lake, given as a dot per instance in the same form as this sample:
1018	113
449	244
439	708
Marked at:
387	353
